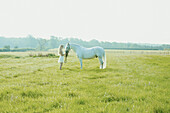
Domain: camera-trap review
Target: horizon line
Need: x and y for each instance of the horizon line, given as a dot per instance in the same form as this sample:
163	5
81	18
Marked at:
85	40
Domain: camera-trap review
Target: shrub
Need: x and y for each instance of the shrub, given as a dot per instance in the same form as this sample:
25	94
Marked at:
44	55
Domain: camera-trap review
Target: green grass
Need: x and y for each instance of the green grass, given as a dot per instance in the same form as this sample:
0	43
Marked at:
130	83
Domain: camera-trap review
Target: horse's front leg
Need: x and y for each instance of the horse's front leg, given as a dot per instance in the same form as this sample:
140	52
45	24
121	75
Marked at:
80	59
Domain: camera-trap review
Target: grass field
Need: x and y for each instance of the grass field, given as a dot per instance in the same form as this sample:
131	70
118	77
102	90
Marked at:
134	81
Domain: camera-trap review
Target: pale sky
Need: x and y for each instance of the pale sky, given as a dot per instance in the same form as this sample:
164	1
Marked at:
137	21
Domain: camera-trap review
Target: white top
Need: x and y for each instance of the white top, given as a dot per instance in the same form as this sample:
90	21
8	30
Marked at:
61	59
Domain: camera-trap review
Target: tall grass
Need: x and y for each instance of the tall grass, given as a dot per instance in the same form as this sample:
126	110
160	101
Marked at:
130	83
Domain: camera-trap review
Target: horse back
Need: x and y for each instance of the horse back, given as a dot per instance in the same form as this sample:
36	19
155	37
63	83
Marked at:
98	50
93	52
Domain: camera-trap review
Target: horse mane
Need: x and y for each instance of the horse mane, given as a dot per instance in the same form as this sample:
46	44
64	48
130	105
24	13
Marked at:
76	45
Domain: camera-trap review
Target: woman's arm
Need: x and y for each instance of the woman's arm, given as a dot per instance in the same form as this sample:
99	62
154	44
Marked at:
61	53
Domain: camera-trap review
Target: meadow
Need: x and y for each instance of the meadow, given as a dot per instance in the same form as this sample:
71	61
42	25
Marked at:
134	81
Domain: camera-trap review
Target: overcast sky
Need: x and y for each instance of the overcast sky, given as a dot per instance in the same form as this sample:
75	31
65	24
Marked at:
139	21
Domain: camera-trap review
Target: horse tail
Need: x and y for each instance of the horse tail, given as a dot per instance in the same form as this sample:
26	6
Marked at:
104	64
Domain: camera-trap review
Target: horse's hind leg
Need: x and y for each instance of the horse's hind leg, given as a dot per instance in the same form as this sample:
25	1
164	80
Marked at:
101	62
81	63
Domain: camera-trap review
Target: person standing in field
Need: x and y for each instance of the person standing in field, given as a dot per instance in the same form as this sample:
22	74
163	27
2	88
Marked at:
61	54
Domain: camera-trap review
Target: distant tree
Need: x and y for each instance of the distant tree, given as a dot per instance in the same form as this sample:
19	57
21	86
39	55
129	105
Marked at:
7	47
16	47
94	42
53	42
42	43
31	41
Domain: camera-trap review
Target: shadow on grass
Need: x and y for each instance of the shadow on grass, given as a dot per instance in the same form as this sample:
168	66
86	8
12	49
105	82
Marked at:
97	70
95	76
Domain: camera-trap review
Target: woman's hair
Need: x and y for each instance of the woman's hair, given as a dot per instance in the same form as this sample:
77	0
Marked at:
59	49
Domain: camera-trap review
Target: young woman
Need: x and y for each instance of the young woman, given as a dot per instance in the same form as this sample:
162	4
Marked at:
61	58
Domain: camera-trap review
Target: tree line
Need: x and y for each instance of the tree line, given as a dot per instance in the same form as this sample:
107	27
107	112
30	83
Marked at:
32	43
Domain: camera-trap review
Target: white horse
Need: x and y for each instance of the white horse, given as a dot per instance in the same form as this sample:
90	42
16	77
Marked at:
87	53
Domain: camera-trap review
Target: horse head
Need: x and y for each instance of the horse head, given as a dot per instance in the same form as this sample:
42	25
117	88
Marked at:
67	49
